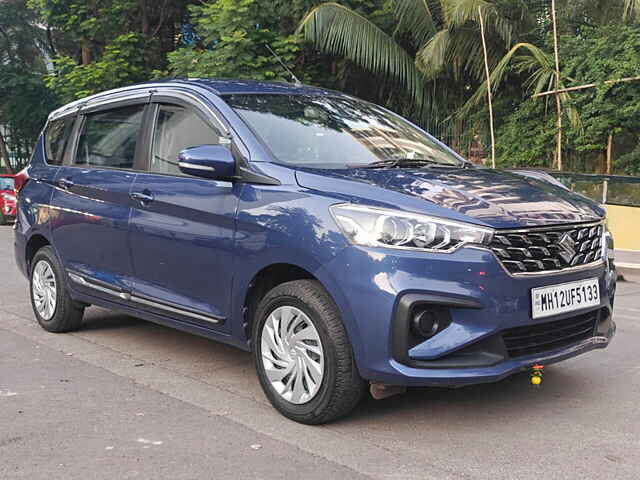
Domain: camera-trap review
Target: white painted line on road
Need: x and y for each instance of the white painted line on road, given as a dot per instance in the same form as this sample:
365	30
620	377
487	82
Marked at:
149	442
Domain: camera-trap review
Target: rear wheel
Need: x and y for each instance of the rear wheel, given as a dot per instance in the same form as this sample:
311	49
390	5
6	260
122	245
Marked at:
303	355
53	307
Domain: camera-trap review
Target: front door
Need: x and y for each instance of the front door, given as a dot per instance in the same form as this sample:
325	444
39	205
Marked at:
91	203
182	227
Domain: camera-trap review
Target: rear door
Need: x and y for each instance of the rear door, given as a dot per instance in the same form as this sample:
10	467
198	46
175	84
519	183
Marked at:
182	227
91	205
48	155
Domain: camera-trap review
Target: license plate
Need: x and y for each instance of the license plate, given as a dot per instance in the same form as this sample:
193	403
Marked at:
567	297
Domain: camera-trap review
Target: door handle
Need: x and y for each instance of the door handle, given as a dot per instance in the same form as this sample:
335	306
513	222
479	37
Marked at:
65	183
142	197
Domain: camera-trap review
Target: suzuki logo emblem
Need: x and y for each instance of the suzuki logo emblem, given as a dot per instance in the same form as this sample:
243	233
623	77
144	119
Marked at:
567	245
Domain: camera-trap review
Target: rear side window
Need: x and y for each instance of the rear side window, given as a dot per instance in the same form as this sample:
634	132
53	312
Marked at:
178	128
109	138
55	139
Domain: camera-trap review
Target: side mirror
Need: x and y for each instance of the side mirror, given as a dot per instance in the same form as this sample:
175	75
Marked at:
208	161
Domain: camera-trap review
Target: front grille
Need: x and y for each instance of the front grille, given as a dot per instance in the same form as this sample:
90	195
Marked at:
532	339
534	250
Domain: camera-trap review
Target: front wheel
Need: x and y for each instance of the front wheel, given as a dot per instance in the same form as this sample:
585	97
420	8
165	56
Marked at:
303	355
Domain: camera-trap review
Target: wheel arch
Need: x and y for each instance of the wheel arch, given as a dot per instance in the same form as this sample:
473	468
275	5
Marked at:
278	272
35	243
262	282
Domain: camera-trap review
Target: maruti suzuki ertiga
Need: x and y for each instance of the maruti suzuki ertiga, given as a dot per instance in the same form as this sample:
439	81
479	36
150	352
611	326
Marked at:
341	244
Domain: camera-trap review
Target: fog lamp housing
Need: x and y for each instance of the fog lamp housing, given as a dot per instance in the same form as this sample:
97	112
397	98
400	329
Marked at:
426	321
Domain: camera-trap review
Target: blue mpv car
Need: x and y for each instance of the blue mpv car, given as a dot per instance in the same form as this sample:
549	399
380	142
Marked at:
340	243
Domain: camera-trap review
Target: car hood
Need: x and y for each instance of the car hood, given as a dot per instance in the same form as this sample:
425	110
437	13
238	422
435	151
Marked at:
494	198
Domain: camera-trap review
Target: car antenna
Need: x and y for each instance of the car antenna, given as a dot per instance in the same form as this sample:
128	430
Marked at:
296	80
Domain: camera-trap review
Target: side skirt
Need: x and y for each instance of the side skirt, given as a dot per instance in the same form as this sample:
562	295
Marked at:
141	301
170	322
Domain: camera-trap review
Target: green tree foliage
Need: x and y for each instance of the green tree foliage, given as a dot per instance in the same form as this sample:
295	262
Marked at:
24	99
119	65
422	58
233	35
608	53
597	55
25	104
101	44
431	49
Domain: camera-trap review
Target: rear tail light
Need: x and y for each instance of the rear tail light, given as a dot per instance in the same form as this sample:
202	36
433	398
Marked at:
21	180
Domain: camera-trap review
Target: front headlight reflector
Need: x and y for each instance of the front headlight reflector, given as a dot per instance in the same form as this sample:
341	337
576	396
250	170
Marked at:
378	227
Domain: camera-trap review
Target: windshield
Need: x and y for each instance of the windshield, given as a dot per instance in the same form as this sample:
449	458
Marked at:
333	132
6	183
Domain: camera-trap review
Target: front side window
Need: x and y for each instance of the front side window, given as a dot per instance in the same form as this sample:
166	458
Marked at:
6	183
333	132
55	139
109	138
176	129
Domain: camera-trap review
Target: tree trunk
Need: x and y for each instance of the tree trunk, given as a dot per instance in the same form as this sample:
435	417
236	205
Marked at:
610	154
51	43
86	52
558	101
146	27
4	155
489	93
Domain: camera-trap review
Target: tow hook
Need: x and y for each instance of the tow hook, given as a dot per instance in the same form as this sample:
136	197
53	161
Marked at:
536	375
380	391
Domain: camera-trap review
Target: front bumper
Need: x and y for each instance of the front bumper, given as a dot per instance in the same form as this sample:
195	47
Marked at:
377	288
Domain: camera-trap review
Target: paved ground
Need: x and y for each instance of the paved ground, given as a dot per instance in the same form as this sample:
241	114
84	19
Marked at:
128	399
628	262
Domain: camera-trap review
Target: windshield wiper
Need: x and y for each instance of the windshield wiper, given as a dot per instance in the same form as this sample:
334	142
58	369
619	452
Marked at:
404	163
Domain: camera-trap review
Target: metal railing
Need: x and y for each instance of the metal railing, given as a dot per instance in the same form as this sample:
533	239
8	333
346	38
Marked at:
605	189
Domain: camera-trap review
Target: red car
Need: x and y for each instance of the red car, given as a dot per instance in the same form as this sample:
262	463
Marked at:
7	199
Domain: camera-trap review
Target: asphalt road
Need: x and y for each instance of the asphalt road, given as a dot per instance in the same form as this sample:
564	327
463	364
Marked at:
124	398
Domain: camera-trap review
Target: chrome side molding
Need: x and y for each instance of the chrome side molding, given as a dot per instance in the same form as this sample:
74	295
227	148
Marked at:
114	291
98	285
175	309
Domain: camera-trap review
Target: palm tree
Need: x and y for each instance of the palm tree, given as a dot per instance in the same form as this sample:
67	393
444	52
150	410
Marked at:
337	30
434	53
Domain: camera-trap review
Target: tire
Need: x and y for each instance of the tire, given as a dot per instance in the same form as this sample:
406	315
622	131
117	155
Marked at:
296	304
64	315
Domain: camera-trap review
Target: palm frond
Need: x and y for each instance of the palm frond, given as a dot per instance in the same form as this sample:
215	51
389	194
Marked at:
416	17
337	30
458	13
432	58
542	77
537	58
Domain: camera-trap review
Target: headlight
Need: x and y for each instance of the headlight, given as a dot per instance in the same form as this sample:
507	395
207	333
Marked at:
608	248
377	227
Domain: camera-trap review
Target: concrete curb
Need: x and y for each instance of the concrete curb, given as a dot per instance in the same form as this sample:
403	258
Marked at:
628	272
